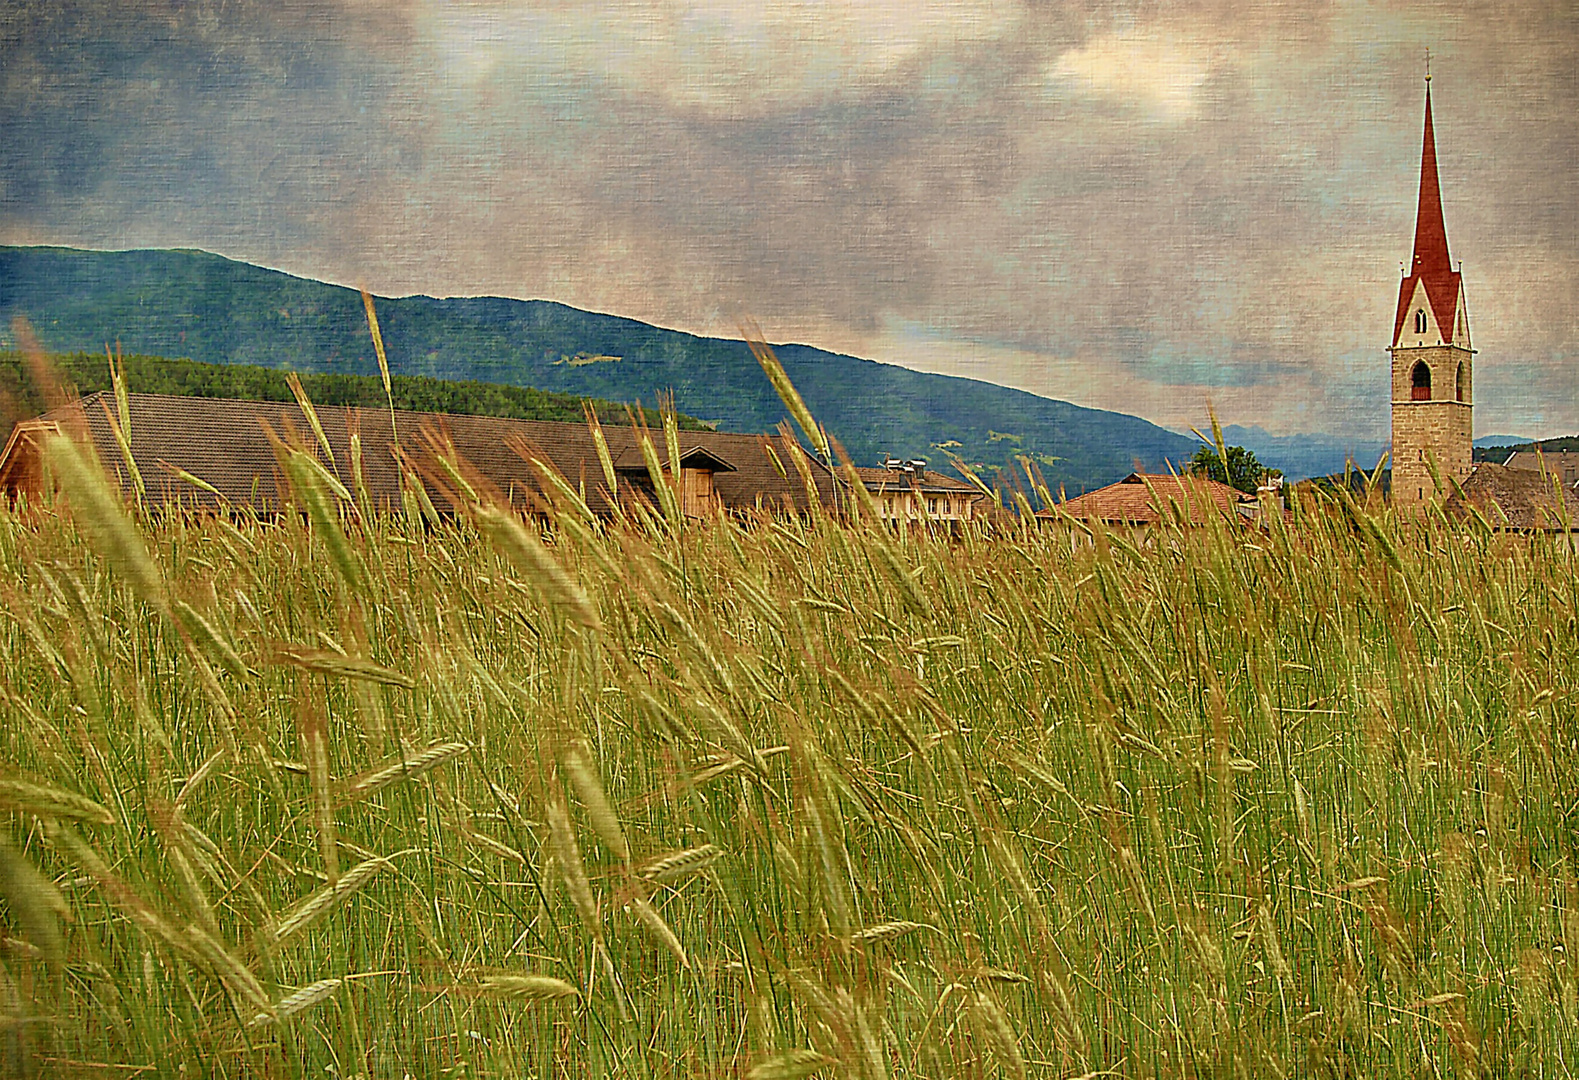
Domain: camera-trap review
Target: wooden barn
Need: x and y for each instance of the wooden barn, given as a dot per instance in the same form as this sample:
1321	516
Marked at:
225	444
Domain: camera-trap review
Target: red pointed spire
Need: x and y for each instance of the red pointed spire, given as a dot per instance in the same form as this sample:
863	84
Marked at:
1431	256
1431	265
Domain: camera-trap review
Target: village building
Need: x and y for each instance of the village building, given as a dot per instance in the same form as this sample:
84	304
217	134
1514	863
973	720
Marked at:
1144	500
907	492
1562	464
1518	500
224	443
1432	359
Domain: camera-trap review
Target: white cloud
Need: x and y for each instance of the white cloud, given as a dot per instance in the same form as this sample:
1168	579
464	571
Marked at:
1096	382
711	56
1159	71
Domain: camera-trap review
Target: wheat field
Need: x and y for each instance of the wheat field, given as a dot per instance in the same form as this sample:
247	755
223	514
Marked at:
767	798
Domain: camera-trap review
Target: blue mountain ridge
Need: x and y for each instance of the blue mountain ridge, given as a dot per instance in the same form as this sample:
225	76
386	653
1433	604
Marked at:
1305	455
183	303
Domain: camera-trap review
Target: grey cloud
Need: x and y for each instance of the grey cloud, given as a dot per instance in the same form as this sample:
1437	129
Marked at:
229	119
1232	232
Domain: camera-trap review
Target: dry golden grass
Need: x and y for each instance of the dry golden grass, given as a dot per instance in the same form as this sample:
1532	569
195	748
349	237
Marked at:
781	798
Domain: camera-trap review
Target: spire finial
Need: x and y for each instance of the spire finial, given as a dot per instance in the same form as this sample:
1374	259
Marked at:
1428	63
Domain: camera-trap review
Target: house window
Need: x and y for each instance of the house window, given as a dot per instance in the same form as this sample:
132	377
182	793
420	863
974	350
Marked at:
1420	321
1420	382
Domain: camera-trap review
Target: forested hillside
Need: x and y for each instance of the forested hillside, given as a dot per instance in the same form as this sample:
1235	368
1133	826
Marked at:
193	304
1499	452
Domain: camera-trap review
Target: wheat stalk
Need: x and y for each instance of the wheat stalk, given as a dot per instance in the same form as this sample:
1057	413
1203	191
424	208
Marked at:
648	916
488	843
406	768
383	363
311	484
346	667
589	789
601	445
568	854
889	930
294	381
315	751
774	370
200	774
33	900
50	802
320	903
122	895
680	864
297	1001
230	970
529	555
123	442
203	632
791	1065
527	987
1005	1044
101	516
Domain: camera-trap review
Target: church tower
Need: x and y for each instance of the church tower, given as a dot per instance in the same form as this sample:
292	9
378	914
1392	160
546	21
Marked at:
1433	363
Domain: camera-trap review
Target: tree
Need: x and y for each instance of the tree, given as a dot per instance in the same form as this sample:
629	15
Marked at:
1244	471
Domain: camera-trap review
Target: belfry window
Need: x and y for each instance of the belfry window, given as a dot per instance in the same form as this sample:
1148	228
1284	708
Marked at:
1461	380
1420	382
1420	321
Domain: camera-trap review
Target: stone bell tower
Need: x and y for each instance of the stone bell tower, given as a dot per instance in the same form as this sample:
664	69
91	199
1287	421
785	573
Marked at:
1433	363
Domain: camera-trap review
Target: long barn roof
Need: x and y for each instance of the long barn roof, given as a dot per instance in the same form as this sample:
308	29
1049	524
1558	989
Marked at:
225	443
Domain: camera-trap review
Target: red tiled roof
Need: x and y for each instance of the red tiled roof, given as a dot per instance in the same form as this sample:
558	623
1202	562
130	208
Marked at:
885	480
223	442
1143	498
1431	263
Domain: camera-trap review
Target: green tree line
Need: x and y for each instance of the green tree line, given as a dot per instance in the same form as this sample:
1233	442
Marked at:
20	398
1241	470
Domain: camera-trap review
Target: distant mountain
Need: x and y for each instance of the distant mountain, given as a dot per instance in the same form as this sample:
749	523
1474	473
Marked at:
1498	447
197	305
1302	456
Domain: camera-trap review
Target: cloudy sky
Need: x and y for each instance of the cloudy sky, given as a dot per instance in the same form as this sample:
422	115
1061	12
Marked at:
1138	206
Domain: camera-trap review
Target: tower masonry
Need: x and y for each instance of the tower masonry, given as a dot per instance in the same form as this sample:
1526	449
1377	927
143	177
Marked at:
1433	362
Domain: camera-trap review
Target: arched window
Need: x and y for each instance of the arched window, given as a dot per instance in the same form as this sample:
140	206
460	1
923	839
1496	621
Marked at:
1420	321
1420	382
1461	387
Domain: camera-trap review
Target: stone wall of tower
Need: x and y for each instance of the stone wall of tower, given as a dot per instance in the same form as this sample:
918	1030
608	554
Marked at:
1445	362
1423	430
1441	428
